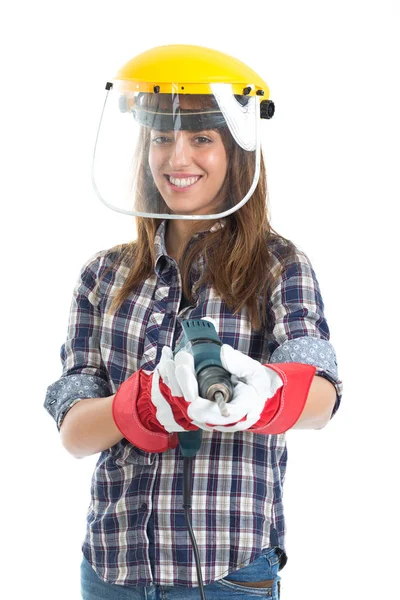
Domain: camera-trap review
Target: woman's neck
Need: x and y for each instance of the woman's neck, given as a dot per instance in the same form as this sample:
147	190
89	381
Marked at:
179	232
176	237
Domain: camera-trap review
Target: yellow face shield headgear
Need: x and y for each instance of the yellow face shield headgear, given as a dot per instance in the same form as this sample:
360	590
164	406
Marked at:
179	135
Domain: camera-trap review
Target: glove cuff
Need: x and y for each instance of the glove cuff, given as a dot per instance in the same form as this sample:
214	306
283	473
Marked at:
284	409
133	412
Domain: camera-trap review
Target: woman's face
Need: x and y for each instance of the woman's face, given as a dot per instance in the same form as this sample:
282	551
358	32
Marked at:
189	169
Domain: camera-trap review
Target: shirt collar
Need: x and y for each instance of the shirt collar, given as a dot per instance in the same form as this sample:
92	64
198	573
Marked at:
160	252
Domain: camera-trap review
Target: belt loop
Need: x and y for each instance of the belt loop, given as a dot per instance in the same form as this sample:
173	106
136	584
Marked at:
145	593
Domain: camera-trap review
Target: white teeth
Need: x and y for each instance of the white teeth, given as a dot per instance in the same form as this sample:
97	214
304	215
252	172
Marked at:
185	182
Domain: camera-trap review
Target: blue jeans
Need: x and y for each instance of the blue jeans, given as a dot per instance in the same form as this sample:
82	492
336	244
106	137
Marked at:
263	568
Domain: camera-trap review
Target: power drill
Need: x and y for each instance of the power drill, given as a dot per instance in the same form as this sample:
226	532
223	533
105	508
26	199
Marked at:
201	340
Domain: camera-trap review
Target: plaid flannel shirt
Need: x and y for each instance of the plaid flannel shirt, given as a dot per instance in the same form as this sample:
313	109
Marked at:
136	532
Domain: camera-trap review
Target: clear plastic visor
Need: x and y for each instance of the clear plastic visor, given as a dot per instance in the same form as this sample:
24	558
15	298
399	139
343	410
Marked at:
175	155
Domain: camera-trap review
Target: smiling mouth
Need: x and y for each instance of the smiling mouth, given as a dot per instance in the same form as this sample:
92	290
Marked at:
182	183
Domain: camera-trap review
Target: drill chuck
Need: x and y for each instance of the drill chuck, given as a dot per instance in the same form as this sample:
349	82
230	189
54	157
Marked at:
215	379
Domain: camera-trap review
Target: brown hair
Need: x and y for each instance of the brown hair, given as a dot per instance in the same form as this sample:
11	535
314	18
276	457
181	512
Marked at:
236	256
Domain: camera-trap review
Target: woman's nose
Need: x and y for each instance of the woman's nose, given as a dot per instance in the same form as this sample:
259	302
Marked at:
180	153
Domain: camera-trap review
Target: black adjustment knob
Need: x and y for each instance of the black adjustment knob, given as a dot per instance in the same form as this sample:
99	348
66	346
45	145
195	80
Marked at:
267	109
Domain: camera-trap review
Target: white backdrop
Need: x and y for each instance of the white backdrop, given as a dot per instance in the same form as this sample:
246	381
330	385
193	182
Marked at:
333	166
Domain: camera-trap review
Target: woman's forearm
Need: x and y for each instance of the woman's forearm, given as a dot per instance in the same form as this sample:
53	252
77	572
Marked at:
89	427
319	406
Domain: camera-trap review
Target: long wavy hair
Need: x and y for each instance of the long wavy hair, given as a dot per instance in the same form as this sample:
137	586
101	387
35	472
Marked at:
237	256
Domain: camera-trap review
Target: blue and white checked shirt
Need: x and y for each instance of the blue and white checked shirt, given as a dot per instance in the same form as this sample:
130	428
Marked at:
136	532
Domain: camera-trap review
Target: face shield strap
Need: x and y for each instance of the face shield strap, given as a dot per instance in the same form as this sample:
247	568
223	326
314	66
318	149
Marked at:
192	120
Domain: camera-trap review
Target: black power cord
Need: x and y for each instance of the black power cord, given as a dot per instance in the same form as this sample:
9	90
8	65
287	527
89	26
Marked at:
187	505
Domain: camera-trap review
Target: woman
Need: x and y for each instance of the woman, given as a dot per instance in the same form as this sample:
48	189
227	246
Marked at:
204	248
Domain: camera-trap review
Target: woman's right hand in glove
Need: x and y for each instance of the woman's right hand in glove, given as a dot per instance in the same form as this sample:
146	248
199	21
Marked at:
149	408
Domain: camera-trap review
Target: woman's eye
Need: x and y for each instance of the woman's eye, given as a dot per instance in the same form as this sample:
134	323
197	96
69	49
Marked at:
203	140
161	140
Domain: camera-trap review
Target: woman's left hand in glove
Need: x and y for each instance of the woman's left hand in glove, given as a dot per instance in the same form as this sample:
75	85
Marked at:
266	398
253	385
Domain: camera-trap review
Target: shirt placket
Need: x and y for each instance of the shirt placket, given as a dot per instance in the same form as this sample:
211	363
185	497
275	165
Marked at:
167	299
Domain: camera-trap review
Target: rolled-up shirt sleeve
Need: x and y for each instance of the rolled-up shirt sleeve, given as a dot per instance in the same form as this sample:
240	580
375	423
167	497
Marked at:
83	371
300	332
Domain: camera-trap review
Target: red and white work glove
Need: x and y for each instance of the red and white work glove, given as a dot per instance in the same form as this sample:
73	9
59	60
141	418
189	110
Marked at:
150	408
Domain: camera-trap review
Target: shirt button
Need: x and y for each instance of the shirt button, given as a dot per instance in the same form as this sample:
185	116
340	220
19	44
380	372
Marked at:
143	507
